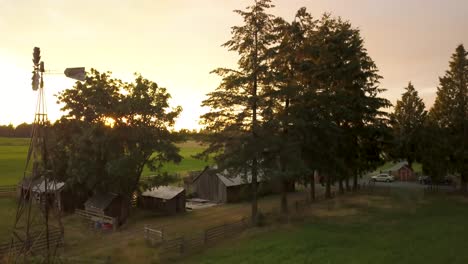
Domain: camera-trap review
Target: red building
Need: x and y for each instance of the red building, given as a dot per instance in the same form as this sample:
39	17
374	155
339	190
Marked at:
402	172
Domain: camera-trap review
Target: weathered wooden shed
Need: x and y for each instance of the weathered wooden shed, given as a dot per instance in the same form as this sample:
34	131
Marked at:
163	199
224	188
108	204
55	193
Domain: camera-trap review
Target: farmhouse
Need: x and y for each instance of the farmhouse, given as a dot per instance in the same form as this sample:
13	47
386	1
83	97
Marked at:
402	172
108	204
222	187
163	199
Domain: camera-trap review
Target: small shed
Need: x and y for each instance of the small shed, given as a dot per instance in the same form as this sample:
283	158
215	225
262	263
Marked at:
108	204
402	172
53	192
224	188
163	199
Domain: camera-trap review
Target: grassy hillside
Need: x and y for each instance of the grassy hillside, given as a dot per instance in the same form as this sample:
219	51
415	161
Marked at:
429	231
13	153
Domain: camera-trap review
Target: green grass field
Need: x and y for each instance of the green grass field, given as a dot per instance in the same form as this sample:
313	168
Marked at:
7	214
401	230
13	153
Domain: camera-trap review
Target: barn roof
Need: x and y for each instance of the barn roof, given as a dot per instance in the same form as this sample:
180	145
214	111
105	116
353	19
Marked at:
163	192
238	179
101	200
52	186
230	180
398	166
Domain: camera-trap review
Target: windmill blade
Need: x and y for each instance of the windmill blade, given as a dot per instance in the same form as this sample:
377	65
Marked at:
78	73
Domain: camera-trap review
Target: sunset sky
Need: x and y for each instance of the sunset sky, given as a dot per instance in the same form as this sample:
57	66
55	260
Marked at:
176	43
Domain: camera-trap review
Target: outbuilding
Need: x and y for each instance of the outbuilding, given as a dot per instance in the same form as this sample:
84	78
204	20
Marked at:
163	199
402	172
53	192
222	187
108	204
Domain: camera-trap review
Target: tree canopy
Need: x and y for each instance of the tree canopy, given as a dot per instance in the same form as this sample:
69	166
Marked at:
111	131
304	97
449	115
407	122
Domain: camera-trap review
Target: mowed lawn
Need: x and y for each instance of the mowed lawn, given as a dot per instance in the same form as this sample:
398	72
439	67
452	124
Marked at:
13	152
428	231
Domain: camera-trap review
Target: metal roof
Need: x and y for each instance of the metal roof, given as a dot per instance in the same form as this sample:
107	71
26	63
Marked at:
101	200
398	166
238	179
163	192
52	186
230	180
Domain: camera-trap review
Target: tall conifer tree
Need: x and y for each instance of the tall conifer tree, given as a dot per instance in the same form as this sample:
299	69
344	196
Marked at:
238	104
407	122
450	113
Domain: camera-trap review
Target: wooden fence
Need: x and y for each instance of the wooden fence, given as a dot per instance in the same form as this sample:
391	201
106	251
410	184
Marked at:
185	244
95	217
38	243
8	190
153	236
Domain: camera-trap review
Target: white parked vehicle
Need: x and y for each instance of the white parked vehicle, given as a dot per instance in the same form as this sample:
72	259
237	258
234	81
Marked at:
384	177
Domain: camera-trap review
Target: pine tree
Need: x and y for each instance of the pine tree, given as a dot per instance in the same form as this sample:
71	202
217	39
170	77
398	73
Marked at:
340	111
450	113
238	105
285	145
407	121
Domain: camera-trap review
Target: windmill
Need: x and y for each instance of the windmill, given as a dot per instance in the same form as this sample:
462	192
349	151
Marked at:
37	235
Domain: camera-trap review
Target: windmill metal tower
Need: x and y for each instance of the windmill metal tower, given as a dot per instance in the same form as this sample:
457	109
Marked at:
37	234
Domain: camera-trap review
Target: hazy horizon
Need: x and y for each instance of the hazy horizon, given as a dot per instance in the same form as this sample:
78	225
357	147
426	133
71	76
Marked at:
177	43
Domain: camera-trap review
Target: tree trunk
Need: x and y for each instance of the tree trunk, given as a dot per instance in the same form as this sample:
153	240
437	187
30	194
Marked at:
410	163
254	193
463	183
355	182
254	133
348	187
312	185
328	187
340	185
284	197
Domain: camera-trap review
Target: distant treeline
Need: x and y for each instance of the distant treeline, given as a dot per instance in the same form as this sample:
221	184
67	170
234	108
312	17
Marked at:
22	131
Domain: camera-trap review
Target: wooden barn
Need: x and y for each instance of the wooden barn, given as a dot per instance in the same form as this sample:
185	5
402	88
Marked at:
163	199
224	188
108	204
402	172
